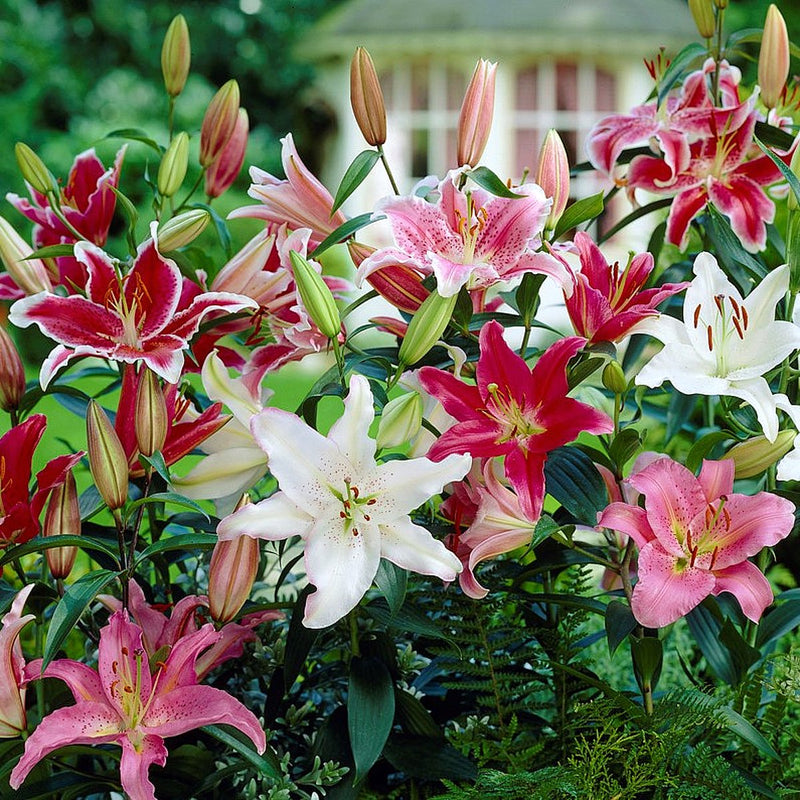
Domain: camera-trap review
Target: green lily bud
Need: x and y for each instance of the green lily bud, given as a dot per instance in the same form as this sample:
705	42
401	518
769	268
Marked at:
107	461
426	326
172	169
614	378
63	517
182	229
791	199
755	455
703	15
176	56
34	170
400	421
316	296
150	422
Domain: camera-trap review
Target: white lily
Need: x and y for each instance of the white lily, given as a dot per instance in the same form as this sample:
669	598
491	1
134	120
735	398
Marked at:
725	343
235	462
349	510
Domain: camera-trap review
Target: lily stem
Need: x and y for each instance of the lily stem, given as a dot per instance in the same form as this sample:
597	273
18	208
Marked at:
388	170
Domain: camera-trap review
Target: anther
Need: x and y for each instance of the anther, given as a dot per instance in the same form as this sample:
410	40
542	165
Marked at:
697	316
737	325
710	333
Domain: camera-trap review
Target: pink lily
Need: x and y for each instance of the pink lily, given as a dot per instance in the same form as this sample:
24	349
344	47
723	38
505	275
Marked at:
466	238
19	509
717	172
87	202
124	704
129	319
683	117
12	667
187	428
514	411
606	301
695	537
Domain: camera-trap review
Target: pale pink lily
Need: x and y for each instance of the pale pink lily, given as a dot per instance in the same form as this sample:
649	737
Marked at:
235	462
123	703
13	720
129	319
726	343
468	237
695	537
349	510
682	118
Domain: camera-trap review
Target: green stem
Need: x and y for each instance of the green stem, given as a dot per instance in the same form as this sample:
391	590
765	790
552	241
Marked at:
525	338
55	207
192	190
171	116
388	170
352	618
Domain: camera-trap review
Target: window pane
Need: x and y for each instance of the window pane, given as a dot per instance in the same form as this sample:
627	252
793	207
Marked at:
527	89
605	91
570	139
387	86
419	87
527	151
456	86
451	148
419	153
566	87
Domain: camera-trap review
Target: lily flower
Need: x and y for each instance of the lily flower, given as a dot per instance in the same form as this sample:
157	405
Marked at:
122	703
726	343
129	319
349	510
694	537
514	411
607	301
87	202
466	238
12	668
19	508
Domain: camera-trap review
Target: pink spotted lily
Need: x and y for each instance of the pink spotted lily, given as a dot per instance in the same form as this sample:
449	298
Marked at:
695	537
123	703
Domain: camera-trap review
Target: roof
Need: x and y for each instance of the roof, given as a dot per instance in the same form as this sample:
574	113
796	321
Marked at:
407	26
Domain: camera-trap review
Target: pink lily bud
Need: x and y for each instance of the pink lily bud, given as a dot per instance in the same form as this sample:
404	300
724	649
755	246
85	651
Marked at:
232	572
366	98
224	171
63	517
12	666
30	274
150	421
773	60
107	461
703	15
34	170
475	121
12	373
219	122
176	56
552	175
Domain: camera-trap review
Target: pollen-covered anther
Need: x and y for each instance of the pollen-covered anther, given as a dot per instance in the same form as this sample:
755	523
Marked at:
697	315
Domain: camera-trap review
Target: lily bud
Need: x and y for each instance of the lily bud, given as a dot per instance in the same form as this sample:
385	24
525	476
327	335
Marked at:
316	296
30	274
34	170
176	56
426	326
614	378
182	229
703	14
400	421
150	422
366	98
723	4
552	175
12	373
224	171
63	518
794	165
475	121
172	169
107	461
773	60
231	573
219	122
757	454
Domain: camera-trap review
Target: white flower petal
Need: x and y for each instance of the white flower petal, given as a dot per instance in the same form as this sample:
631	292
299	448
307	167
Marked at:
275	518
221	388
758	394
224	473
351	431
761	302
412	547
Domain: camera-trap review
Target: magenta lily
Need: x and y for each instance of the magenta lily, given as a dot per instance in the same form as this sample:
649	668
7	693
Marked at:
606	301
129	319
695	537
514	411
19	508
87	202
12	668
717	172
467	237
124	704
